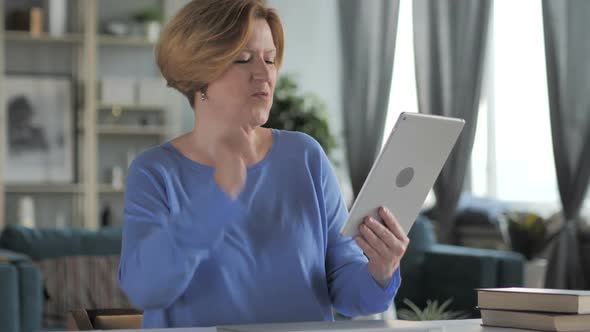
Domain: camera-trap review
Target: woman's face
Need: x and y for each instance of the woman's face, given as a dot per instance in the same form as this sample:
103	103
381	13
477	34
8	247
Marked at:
245	89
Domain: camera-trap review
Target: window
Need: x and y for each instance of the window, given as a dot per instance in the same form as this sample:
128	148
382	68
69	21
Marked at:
512	156
402	97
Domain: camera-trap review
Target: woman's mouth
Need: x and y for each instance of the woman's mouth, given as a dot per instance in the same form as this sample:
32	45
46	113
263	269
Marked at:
261	95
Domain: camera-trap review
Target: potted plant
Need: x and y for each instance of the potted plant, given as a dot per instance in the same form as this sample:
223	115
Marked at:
300	112
432	311
149	20
528	236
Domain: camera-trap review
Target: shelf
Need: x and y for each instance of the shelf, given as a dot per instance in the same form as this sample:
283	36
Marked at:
26	36
131	130
44	188
107	188
128	130
125	41
72	38
132	108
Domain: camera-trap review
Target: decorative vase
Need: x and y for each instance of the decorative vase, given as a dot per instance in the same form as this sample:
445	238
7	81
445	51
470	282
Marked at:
534	273
26	211
57	17
152	30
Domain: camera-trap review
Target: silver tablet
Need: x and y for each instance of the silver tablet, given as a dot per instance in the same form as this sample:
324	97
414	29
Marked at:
405	170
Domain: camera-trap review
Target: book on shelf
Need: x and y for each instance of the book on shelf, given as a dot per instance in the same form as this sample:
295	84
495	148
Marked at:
541	321
535	299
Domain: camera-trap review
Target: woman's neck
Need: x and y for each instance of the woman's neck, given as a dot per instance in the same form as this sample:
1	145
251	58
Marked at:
194	144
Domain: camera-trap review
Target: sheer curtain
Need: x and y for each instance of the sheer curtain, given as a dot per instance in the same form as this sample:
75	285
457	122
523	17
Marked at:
368	31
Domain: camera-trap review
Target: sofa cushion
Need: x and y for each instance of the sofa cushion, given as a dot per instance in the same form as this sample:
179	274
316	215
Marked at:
422	234
10	298
421	239
8	256
50	243
30	296
479	210
474	210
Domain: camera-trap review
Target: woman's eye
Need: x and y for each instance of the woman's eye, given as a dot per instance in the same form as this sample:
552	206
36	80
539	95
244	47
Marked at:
270	61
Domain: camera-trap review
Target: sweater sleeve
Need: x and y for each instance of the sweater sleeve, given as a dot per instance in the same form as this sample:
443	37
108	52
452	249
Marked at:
161	251
352	289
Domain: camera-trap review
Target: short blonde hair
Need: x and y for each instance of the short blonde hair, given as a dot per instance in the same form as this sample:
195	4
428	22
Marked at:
205	36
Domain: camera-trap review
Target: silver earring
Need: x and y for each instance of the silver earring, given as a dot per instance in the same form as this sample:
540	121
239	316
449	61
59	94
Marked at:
203	95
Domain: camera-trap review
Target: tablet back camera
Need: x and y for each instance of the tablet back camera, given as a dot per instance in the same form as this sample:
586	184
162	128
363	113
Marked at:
404	177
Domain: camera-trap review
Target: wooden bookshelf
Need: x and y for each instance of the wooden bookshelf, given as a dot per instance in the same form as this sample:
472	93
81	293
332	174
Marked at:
85	47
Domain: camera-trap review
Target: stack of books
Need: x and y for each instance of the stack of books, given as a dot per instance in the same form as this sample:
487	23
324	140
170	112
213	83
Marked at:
535	309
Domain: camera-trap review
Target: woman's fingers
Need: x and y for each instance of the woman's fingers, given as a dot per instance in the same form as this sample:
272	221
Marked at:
375	242
367	249
381	231
393	225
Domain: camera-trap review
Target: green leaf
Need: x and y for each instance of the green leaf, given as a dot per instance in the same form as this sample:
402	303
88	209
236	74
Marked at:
444	306
432	311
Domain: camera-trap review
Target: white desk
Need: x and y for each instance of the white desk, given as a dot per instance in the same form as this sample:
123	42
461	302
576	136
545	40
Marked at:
467	325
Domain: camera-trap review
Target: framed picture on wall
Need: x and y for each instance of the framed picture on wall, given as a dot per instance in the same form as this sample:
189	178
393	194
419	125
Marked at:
39	120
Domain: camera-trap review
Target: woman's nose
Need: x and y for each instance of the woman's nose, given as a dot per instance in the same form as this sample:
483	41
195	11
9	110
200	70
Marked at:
262	71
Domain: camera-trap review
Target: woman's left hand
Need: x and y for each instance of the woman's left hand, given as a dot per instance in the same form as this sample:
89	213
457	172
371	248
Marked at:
384	244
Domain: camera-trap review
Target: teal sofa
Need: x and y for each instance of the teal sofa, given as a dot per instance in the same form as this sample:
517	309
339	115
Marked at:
20	293
25	252
433	271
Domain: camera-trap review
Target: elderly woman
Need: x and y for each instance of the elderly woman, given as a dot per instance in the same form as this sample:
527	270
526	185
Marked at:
233	223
